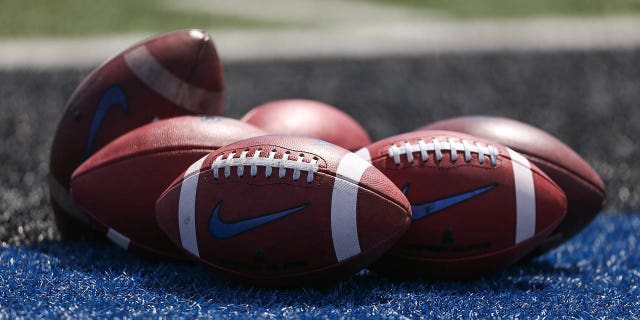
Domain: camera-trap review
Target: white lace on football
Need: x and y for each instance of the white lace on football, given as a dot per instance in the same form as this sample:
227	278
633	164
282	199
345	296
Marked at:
269	162
438	146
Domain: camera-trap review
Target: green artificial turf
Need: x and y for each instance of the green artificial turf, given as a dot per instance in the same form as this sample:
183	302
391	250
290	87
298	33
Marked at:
71	18
520	8
20	18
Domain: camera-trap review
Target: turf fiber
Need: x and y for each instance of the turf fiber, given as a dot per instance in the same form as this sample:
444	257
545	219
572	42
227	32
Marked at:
595	275
587	99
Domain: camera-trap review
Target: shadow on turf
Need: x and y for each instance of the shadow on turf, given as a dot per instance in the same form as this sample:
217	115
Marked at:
100	260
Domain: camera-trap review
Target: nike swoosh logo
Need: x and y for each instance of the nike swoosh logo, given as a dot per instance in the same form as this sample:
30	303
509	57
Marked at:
222	230
428	208
113	96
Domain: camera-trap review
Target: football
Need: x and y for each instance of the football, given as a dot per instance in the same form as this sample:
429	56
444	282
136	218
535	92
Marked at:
309	118
281	210
168	75
583	187
117	187
477	206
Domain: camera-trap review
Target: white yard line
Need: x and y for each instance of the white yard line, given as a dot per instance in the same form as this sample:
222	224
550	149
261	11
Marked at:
42	53
307	12
439	36
355	29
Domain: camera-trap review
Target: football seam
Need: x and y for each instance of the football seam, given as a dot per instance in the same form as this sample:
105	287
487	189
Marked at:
372	190
546	231
323	171
303	273
104	228
451	165
538	172
545	177
284	277
140	154
300	274
582	180
321	164
196	62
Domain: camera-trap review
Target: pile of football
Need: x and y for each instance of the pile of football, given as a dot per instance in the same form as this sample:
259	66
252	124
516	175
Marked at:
143	156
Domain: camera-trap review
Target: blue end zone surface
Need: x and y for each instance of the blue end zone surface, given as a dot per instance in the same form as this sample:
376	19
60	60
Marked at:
597	274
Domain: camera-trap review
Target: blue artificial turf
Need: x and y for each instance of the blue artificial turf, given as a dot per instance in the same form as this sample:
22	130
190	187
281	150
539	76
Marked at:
597	274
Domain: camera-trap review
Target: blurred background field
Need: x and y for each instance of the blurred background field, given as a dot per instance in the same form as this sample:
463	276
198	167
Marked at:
71	33
77	18
520	8
569	67
387	77
82	18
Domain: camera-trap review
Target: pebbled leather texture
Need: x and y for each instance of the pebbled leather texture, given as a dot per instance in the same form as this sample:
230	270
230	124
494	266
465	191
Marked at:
189	60
300	245
309	118
460	237
583	187
118	186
